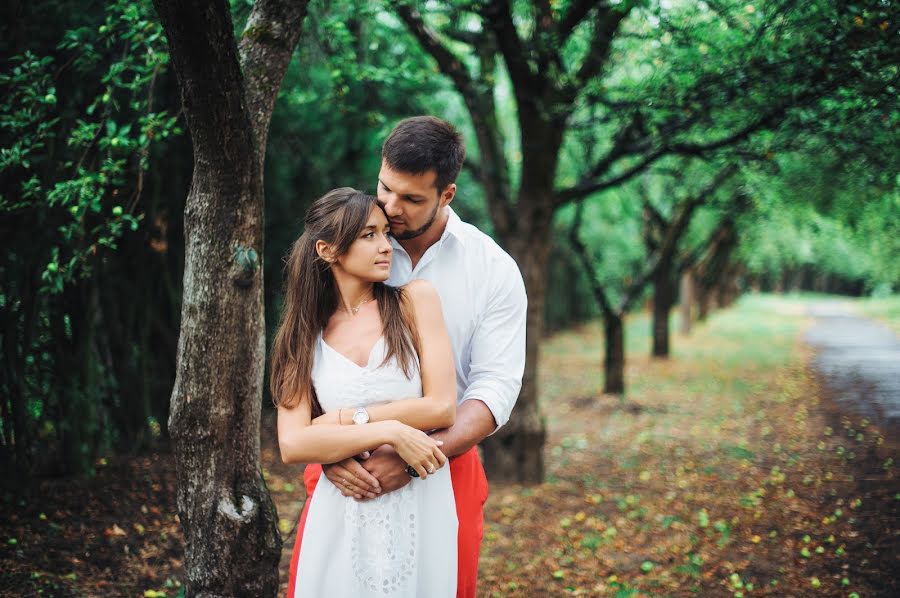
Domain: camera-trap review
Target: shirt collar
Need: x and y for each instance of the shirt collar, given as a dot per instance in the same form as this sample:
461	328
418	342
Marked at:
454	226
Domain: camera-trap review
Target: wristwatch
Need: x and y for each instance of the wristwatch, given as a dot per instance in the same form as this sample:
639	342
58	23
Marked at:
360	416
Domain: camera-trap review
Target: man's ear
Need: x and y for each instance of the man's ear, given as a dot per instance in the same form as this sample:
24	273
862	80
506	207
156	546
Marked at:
448	194
325	251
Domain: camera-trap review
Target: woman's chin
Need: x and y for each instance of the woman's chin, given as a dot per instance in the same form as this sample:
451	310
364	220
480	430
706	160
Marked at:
379	276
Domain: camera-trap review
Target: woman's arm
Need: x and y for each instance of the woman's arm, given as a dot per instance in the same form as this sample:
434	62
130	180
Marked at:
437	407
301	442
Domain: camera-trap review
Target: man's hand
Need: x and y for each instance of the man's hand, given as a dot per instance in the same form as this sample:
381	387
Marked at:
387	466
352	479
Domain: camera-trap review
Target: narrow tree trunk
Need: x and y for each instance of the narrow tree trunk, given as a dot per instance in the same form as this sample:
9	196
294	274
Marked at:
687	298
704	297
663	300
614	360
614	353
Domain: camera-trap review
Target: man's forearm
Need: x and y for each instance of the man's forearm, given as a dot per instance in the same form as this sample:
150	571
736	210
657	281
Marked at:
474	422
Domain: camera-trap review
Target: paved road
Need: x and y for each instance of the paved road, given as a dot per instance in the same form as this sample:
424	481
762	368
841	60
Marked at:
859	361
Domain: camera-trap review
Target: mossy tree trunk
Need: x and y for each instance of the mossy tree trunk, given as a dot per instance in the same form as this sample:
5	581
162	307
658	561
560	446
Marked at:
228	89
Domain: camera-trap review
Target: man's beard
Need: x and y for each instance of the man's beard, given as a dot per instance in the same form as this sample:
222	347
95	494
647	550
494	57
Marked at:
412	234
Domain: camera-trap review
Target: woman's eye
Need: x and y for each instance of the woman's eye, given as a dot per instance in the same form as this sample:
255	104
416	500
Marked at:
368	235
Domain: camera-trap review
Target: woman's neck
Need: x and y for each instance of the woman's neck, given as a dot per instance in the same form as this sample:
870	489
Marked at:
352	292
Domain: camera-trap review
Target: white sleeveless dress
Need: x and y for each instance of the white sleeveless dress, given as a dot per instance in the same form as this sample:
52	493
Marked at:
402	544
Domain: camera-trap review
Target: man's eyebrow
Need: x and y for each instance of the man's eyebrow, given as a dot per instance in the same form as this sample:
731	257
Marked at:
406	195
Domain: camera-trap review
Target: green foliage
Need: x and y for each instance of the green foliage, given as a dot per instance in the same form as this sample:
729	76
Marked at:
109	141
78	127
87	109
822	213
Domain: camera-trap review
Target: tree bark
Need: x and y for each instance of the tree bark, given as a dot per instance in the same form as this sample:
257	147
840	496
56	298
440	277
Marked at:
232	543
663	300
614	358
515	452
687	293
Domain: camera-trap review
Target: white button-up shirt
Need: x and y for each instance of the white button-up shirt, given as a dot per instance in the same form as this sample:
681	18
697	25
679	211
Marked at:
484	303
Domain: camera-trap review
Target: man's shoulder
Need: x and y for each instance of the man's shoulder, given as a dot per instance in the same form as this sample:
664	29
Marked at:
479	245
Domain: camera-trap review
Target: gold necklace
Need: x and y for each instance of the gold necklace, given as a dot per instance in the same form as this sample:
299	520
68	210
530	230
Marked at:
355	310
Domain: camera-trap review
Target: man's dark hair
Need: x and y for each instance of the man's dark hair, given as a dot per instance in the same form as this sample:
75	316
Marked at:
423	143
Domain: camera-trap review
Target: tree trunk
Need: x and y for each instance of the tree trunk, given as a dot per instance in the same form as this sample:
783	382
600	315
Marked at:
687	298
232	544
614	360
704	297
516	452
663	300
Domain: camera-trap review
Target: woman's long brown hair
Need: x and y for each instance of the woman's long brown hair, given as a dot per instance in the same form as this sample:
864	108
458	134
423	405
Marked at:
311	297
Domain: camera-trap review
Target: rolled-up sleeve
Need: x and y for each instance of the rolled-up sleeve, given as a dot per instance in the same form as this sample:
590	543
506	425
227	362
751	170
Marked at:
498	344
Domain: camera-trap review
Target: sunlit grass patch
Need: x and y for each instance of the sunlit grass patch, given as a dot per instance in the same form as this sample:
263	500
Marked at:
884	309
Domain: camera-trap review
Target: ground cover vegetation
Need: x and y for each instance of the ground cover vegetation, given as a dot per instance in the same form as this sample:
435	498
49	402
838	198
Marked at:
631	155
726	473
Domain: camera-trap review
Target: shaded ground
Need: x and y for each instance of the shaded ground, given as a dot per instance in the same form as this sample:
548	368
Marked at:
727	471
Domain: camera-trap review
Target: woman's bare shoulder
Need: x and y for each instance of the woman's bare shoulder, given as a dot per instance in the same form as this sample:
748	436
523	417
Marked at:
421	293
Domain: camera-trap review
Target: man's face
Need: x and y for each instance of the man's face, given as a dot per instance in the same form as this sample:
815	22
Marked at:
410	200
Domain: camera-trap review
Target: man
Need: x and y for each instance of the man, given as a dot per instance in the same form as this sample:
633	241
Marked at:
484	303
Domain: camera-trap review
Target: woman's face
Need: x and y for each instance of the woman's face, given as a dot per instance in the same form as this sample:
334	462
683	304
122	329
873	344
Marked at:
369	256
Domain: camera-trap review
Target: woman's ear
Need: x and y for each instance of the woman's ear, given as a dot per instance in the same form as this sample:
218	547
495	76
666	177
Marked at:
325	251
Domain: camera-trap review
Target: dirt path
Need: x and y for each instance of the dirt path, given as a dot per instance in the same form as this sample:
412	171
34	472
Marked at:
859	363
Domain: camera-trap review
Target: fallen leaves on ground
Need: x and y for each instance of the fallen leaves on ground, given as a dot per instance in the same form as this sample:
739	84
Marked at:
724	472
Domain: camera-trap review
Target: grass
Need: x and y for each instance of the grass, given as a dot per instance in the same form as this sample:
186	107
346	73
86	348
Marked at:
723	472
716	474
884	309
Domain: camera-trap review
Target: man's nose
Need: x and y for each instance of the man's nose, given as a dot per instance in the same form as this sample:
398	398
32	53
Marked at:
391	205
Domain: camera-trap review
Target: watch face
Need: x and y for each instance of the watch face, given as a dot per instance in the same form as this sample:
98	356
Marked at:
360	417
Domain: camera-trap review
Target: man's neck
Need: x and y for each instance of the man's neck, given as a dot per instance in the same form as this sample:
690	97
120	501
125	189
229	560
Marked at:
417	246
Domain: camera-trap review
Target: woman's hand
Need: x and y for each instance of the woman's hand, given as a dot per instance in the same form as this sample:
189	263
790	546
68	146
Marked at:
418	449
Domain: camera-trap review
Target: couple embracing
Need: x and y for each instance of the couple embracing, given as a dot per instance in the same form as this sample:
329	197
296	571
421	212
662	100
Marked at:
401	347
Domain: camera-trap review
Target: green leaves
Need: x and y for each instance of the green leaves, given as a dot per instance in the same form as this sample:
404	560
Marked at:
106	144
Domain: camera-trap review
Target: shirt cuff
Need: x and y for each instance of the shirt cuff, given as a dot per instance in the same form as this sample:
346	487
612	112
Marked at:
498	406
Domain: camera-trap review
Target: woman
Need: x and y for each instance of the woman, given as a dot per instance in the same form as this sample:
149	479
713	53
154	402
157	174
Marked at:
357	364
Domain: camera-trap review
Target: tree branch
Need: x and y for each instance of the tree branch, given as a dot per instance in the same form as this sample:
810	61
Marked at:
740	203
499	15
447	62
578	10
665	251
266	47
587	262
479	99
205	59
582	190
608	22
